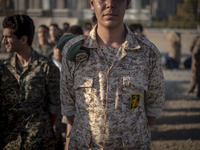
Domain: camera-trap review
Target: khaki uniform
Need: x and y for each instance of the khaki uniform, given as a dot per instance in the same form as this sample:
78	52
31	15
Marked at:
112	94
174	46
11	112
39	93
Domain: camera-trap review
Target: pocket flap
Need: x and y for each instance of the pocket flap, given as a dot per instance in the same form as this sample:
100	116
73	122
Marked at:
84	82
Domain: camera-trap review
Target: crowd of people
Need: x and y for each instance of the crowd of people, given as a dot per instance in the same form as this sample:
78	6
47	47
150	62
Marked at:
106	101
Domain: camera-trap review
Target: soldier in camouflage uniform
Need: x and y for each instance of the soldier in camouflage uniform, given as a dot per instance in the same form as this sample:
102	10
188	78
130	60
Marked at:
195	80
11	112
111	99
41	45
38	80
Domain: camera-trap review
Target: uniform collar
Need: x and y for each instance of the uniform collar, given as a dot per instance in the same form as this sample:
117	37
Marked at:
32	60
130	43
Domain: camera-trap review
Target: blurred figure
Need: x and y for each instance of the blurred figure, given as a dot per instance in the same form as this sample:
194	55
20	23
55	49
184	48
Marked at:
38	80
65	27
42	45
87	27
11	116
76	30
57	57
195	80
59	127
137	29
173	58
93	20
53	33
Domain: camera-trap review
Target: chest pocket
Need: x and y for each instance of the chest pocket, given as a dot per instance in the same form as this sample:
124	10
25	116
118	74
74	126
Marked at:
84	91
83	82
136	80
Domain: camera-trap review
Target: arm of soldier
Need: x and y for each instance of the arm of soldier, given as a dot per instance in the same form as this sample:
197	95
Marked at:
67	96
53	91
155	95
69	120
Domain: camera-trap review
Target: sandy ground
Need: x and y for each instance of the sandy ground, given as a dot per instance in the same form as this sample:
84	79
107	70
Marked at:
178	128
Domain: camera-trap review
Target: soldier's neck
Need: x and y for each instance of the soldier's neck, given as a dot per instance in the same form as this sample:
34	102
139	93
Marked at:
23	57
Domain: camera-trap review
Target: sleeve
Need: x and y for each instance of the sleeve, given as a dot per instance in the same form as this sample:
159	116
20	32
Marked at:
53	88
155	95
67	94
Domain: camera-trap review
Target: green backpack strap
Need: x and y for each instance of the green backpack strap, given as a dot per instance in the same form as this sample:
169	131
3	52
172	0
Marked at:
77	52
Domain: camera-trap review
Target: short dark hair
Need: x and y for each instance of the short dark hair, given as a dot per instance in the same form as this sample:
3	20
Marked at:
44	26
76	30
21	25
65	26
54	25
136	26
87	26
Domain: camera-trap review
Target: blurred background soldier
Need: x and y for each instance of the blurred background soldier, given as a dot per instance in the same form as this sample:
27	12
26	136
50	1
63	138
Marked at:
87	27
65	27
54	33
41	45
174	50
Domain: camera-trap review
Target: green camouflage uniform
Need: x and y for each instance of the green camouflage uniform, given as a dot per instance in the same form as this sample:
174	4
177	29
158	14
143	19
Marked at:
11	113
46	50
39	93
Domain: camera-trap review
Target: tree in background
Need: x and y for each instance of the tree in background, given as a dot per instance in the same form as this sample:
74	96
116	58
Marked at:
187	16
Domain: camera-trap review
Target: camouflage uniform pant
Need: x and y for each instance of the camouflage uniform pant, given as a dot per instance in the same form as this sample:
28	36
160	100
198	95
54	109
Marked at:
195	80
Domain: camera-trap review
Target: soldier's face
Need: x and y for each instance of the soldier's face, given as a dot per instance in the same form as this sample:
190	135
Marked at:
109	13
10	41
43	33
53	31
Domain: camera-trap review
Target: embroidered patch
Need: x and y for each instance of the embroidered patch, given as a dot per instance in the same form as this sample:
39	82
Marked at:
134	101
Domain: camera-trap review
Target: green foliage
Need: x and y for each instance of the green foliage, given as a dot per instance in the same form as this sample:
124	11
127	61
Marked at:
186	16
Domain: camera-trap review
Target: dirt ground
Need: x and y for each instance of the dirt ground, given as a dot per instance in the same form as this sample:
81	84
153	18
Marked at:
178	128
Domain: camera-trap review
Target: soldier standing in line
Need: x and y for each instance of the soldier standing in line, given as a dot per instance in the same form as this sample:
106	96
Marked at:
38	80
111	98
174	50
42	45
195	68
11	112
54	33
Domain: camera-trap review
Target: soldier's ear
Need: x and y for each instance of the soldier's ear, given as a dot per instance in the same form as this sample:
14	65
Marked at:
91	4
24	39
